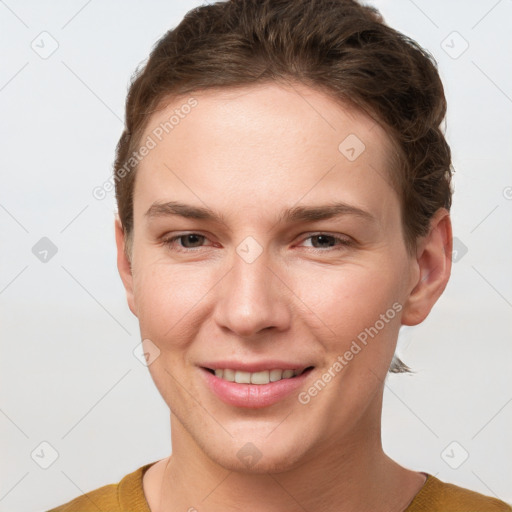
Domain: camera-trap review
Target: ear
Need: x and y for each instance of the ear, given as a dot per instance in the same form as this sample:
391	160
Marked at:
124	265
434	264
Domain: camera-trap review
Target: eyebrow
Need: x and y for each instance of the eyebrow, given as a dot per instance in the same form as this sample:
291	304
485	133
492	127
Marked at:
291	215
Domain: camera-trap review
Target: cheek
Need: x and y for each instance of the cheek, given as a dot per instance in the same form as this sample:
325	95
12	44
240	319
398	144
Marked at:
360	290
168	298
345	303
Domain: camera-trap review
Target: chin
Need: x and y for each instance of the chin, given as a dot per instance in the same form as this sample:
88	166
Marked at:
261	456
266	464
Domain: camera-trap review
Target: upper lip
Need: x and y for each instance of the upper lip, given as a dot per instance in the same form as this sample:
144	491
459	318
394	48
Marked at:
256	366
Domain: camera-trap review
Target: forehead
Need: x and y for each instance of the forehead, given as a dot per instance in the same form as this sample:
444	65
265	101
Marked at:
260	110
264	145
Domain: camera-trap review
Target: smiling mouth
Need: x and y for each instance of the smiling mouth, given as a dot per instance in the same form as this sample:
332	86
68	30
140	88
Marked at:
261	377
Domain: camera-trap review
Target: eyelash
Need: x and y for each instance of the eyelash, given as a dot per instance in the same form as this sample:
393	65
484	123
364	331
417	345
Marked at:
342	242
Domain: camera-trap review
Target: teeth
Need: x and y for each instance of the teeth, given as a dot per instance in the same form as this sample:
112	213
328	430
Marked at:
260	377
263	377
242	377
276	375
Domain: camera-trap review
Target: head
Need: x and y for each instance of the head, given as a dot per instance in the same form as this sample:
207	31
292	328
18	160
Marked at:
264	118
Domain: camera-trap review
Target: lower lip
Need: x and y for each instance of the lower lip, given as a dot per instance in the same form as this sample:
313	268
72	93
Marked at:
253	395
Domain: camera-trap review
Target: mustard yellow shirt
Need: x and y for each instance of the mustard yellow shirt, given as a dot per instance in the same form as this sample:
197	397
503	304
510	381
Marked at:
434	496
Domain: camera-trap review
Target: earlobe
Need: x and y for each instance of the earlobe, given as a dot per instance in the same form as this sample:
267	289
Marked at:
434	262
124	265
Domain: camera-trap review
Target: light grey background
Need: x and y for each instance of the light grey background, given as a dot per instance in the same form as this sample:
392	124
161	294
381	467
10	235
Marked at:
68	373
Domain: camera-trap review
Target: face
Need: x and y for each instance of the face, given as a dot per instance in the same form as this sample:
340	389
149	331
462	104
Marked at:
256	273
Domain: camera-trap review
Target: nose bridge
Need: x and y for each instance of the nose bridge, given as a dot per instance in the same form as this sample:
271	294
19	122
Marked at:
251	299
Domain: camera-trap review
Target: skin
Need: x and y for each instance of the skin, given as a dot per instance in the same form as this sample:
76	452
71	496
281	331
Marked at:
248	153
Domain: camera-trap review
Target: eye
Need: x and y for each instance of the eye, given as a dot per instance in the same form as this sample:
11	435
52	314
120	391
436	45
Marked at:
326	241
188	241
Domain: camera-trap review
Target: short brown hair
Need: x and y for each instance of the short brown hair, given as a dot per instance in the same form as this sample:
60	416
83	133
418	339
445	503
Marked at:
339	46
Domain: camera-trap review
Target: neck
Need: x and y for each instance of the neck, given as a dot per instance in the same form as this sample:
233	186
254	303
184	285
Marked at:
343	475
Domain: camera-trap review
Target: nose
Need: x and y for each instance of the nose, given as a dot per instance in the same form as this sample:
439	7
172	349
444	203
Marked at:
252	298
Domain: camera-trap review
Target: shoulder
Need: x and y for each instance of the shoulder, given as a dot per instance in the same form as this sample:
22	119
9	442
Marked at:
103	498
439	496
127	494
